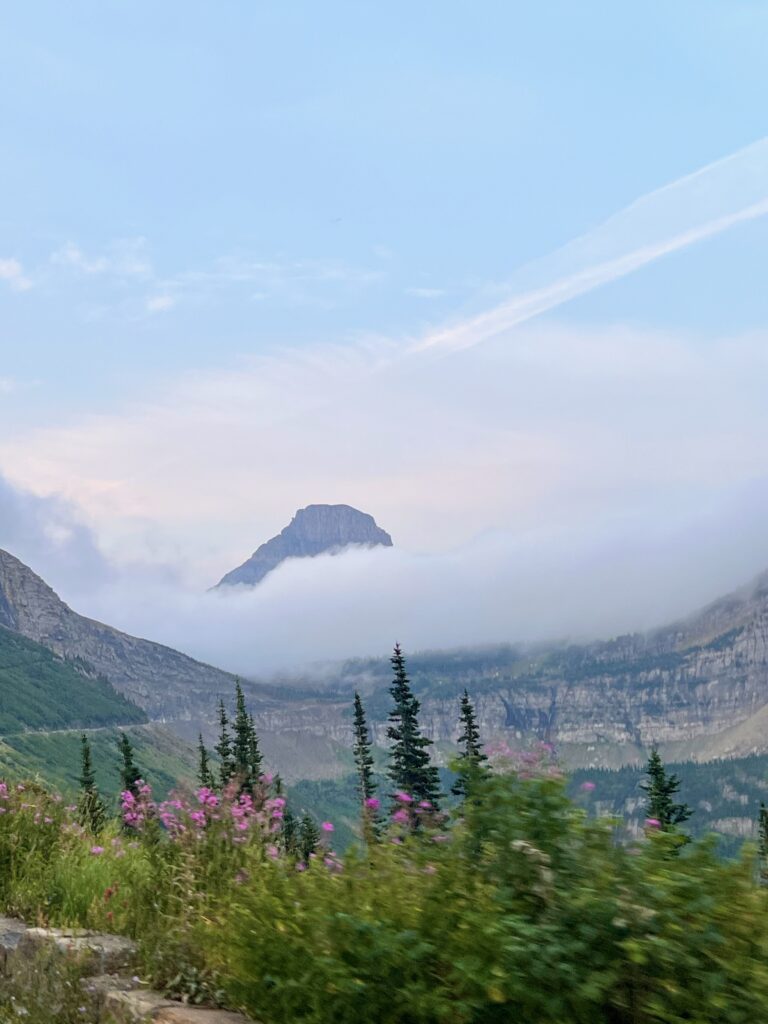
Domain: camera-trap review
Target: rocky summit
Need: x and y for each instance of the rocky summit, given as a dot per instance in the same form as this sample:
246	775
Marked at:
314	530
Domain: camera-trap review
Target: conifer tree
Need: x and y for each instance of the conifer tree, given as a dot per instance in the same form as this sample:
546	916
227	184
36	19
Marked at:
762	843
204	773
290	833
661	789
472	762
409	766
224	748
255	759
91	812
308	837
241	746
129	773
362	752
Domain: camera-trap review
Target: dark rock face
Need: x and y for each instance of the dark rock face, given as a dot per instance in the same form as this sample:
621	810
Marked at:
314	530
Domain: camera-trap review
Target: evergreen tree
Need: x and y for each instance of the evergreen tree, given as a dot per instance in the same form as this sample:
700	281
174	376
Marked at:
91	812
204	773
129	773
409	766
290	833
308	837
362	752
762	843
661	789
471	761
241	747
224	748
255	759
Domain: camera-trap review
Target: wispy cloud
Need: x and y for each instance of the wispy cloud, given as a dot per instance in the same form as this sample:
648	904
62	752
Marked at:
124	257
12	273
698	206
425	293
160	303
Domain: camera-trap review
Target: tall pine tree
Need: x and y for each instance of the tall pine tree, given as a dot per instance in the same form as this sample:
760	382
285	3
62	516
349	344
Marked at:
308	837
241	746
471	760
762	843
661	789
204	773
255	759
366	785
409	766
91	813
130	775
224	748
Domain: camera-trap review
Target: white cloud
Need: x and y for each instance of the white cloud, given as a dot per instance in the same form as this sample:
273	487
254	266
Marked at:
425	293
124	257
12	272
160	303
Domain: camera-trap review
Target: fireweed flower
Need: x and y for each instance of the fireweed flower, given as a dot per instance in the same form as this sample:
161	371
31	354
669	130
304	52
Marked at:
372	803
587	787
404	798
652	823
327	826
401	817
96	850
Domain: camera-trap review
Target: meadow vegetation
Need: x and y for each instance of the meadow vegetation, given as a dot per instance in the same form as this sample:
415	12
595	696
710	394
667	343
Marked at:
515	905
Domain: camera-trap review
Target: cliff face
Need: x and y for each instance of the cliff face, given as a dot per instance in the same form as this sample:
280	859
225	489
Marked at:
698	689
314	530
165	683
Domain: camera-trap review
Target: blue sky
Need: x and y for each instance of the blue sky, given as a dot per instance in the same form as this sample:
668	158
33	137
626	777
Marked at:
218	222
382	165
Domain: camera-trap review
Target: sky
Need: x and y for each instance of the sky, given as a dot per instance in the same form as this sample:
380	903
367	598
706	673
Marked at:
494	274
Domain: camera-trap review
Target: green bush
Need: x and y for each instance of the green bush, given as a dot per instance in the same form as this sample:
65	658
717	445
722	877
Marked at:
527	912
523	910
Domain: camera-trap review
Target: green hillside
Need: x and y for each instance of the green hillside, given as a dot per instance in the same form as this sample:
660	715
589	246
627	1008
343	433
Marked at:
166	761
40	691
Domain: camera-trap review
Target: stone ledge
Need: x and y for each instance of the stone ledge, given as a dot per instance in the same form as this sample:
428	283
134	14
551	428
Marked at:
98	953
143	1007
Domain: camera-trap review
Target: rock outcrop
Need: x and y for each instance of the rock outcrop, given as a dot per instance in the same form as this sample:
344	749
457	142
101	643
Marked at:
165	683
314	530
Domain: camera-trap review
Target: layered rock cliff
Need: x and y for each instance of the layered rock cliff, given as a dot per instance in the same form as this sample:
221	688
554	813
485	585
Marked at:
314	530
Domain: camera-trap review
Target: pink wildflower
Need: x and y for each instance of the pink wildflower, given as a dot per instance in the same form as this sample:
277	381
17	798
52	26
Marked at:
401	817
652	823
301	866
96	850
372	803
327	826
404	798
587	787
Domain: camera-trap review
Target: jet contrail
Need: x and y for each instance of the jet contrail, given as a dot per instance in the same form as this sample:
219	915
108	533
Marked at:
707	202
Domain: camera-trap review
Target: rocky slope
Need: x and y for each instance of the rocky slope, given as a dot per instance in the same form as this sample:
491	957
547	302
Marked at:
165	683
314	530
698	689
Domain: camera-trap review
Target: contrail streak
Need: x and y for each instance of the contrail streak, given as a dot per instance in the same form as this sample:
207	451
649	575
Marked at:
707	202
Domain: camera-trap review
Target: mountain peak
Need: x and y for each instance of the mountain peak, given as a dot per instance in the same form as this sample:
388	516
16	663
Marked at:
314	530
